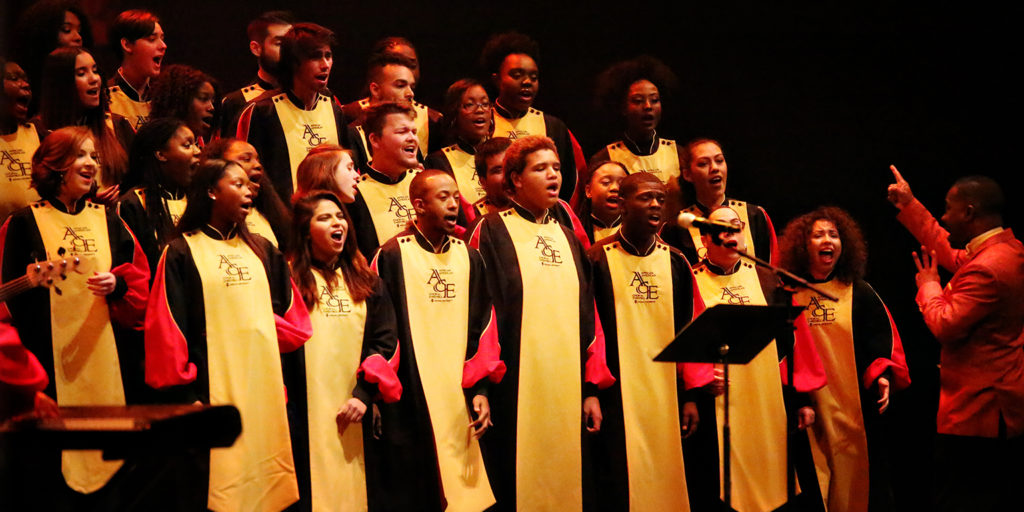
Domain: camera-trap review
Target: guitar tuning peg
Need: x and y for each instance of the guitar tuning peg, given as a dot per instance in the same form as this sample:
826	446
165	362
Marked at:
49	266
57	289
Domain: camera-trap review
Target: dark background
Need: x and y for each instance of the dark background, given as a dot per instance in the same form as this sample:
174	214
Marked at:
811	103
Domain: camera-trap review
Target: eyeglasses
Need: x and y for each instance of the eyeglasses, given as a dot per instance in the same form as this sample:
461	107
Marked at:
471	107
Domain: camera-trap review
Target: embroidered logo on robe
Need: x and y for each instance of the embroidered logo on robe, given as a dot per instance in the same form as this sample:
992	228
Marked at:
735	295
549	256
402	209
333	305
821	312
645	292
14	168
311	136
515	134
139	121
441	289
234	274
79	240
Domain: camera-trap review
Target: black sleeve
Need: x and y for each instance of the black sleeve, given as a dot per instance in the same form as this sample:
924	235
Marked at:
184	291
480	308
130	209
437	160
761	231
559	133
230	108
872	332
362	225
278	275
380	336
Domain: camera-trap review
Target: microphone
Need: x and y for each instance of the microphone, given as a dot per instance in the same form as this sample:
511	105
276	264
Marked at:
688	220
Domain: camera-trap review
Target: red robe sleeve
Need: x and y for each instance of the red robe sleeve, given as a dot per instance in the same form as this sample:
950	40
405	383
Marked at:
596	370
294	327
696	375
486	362
896	363
130	309
19	368
167	361
809	372
577	226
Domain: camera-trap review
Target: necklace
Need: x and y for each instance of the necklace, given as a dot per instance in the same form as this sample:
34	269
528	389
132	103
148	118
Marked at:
654	140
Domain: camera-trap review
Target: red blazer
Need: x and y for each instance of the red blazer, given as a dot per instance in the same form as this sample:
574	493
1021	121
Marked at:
978	318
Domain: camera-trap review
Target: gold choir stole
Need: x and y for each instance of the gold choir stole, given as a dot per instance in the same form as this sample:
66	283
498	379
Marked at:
337	463
422	123
250	92
257	472
305	129
548	457
838	442
664	163
16	151
136	112
389	205
484	206
741	210
175	207
464	169
86	367
530	124
756	409
438	286
256	223
642	287
602	233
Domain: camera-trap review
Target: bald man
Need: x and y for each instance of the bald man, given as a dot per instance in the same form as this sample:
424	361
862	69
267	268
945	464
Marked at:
448	342
978	320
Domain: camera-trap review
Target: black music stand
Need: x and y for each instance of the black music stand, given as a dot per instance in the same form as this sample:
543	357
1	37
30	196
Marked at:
729	334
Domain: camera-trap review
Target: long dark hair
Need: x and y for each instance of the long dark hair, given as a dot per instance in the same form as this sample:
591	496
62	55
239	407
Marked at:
200	204
36	35
267	202
173	91
853	257
59	106
144	171
359	279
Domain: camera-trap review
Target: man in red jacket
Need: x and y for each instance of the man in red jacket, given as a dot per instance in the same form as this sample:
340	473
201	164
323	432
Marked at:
978	319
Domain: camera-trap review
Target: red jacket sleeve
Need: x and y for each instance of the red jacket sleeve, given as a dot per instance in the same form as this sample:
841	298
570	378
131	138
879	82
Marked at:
916	218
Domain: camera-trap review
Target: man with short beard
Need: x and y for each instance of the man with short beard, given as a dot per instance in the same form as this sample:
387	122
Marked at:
449	358
265	35
283	125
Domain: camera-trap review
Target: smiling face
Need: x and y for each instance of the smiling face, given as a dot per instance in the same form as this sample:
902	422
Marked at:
438	209
179	157
536	188
313	73
81	174
824	247
346	176
396	145
70	33
708	172
642	211
17	93
232	197
327	231
603	191
473	121
145	54
643	108
394	83
723	255
200	111
518	81
87	80
242	152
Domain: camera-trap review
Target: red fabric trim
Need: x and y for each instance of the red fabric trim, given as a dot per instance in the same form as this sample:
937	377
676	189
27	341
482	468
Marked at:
294	328
130	309
695	375
167	361
596	368
809	373
487	360
376	370
896	363
474	238
242	131
580	161
468	212
577	226
773	252
18	367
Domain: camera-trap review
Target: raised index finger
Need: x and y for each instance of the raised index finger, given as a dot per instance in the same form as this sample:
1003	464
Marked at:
896	174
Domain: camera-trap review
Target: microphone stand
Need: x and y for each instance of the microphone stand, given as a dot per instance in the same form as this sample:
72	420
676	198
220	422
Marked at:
790	282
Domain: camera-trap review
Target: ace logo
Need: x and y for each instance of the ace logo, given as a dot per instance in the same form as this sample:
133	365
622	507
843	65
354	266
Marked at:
441	289
80	244
235	274
645	292
14	169
333	305
549	256
310	135
734	295
821	313
401	209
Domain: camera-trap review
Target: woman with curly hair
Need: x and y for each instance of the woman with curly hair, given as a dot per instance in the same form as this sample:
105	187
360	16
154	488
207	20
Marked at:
860	347
269	217
188	94
631	92
73	95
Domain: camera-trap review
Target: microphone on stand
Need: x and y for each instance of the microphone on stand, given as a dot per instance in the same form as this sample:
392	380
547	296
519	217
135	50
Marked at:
688	220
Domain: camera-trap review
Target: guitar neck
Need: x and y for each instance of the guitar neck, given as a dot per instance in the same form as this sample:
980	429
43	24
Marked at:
12	288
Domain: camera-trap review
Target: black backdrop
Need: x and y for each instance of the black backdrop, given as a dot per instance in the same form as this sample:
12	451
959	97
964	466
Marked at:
812	104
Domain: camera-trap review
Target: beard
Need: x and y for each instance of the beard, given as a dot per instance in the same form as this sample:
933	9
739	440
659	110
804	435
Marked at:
268	66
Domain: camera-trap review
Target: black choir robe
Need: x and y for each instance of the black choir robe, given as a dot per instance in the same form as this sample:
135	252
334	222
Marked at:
132	209
641	290
410	440
565	370
536	122
234	102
